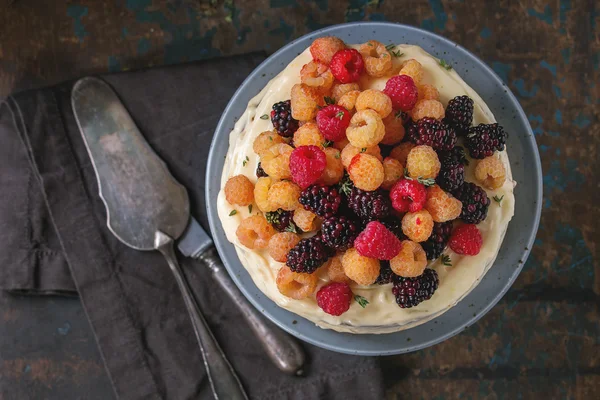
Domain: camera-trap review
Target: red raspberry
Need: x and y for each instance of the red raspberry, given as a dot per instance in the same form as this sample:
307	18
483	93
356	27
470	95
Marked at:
403	92
306	165
466	239
376	241
335	298
333	121
346	65
408	195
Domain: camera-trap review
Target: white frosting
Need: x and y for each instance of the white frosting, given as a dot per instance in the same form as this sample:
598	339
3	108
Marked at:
382	314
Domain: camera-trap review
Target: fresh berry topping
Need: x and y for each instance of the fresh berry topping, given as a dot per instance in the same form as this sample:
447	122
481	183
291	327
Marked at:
308	255
369	205
435	245
457	154
366	172
322	200
451	176
442	205
280	244
333	121
254	232
482	140
362	270
490	172
376	241
295	285
394	225
414	69
410	292
418	225
385	273
374	100
427	109
475	202
339	233
306	165
423	162
459	113
411	261
282	220
466	239
282	120
434	133
347	65
323	49
260	172
403	92
334	298
239	190
408	195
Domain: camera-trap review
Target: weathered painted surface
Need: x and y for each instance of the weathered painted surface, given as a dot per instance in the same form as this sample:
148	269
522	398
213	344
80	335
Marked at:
542	340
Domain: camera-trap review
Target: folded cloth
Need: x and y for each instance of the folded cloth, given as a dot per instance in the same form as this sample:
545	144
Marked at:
54	239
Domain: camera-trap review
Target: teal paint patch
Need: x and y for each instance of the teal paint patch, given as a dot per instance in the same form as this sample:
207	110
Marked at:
596	61
563	9
485	33
282	3
522	91
322	4
124	33
566	55
557	180
581	267
356	10
557	91
544	148
502	70
27	369
377	17
312	24
553	134
284	29
501	358
113	64
143	46
558	116
65	329
77	12
267	23
546	16
137	5
582	121
440	18
549	67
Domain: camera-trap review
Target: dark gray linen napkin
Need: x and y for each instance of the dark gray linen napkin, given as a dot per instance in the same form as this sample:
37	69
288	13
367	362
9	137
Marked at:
54	239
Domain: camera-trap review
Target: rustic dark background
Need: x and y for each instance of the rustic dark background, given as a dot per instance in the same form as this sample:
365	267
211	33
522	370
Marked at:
540	341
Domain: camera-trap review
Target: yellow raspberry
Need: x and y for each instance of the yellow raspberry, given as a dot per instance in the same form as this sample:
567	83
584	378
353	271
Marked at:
265	141
322	49
414	69
490	172
422	162
375	100
306	220
348	100
377	60
305	101
296	285
366	129
350	151
334	170
394	130
366	172
428	92
418	225
441	205
335	270
340	89
276	161
317	75
284	195
254	232
411	261
401	151
239	190
392	172
427	108
362	270
281	243
261	192
308	134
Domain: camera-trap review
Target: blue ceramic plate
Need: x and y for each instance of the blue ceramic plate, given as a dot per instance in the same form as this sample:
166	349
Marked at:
526	170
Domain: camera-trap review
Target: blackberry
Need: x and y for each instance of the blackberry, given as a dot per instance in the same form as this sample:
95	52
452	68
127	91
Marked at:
409	292
451	176
369	206
260	172
339	232
308	255
385	273
282	120
434	133
435	245
395	226
459	113
282	220
475	202
482	140
322	200
457	154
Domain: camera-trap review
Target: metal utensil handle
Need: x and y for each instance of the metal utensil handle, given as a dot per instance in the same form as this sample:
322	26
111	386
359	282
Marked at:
283	350
223	380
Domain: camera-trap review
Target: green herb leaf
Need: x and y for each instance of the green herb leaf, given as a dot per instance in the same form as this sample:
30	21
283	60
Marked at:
446	260
390	46
426	182
346	185
361	300
340	115
329	100
250	209
363	149
498	200
398	115
397	53
233	212
264	116
291	228
337	155
327	143
245	161
444	64
271	138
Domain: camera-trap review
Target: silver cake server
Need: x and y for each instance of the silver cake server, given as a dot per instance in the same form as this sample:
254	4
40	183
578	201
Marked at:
147	209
